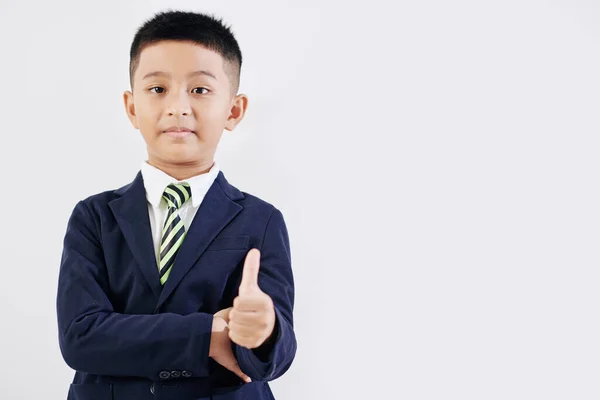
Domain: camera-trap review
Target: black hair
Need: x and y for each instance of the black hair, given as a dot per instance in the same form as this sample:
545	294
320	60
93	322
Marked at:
206	30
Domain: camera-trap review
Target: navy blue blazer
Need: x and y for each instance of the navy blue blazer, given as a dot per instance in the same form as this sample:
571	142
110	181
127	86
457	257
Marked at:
128	338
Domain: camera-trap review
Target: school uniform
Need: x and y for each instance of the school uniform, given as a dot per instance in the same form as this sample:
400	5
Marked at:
130	335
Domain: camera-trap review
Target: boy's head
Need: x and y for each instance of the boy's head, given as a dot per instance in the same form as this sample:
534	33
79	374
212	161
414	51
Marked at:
184	75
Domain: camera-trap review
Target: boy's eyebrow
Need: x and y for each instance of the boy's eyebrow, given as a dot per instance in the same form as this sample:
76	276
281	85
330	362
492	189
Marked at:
199	72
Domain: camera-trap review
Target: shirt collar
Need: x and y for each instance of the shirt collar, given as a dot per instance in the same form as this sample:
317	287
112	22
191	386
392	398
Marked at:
156	181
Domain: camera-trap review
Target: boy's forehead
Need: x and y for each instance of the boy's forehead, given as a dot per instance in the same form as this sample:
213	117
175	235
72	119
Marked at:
179	57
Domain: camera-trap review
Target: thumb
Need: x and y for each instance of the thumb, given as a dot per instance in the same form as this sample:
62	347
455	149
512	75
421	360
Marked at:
229	362
249	282
235	368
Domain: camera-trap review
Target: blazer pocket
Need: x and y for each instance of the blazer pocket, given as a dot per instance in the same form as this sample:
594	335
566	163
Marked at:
229	243
90	391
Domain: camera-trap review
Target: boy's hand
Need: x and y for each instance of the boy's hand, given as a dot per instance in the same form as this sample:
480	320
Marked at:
252	318
220	346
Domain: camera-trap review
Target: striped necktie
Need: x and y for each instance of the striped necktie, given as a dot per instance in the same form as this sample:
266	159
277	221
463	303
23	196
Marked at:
173	230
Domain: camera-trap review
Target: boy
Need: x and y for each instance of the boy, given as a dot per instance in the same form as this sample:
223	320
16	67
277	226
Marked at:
178	285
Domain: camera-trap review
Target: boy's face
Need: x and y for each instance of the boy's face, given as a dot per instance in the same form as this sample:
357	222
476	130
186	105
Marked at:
182	86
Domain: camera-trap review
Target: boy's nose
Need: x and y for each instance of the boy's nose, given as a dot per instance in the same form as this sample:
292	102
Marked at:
173	112
180	105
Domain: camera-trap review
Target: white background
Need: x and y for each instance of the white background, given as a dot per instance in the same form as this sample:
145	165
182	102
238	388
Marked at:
436	163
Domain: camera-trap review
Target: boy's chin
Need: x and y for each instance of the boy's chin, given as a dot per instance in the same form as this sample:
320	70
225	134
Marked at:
182	156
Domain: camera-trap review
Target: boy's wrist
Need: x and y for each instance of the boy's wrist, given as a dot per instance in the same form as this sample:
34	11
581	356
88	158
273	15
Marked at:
218	328
219	324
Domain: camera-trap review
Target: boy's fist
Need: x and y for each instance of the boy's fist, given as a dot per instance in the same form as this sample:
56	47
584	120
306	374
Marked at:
252	318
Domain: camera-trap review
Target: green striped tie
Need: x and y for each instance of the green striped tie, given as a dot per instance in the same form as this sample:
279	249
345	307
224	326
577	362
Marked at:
173	230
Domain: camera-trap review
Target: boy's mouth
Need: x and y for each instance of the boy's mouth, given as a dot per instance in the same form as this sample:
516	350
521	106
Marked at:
178	132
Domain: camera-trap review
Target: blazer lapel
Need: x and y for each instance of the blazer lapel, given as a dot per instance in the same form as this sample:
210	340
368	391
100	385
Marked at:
131	213
217	209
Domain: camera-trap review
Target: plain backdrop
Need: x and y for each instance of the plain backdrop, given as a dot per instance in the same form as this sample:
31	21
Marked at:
436	162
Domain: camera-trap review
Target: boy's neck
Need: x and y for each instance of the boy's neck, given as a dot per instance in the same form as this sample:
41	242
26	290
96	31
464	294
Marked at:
182	171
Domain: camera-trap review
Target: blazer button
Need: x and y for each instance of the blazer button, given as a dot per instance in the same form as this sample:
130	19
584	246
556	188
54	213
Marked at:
175	374
164	375
186	374
152	388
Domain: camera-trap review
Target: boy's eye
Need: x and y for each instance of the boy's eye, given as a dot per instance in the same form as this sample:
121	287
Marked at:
157	87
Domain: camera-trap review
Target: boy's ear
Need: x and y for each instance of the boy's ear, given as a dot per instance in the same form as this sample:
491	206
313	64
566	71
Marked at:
239	106
130	108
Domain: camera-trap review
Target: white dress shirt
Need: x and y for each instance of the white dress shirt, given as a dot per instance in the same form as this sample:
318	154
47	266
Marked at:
156	181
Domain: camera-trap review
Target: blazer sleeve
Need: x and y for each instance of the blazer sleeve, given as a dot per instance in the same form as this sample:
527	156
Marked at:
275	278
93	338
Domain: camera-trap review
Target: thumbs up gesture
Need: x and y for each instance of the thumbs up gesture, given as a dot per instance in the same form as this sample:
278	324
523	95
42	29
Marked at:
252	318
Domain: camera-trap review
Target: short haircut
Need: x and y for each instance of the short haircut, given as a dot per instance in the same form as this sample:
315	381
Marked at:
202	29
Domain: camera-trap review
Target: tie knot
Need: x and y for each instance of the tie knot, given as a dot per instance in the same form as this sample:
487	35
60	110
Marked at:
176	194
